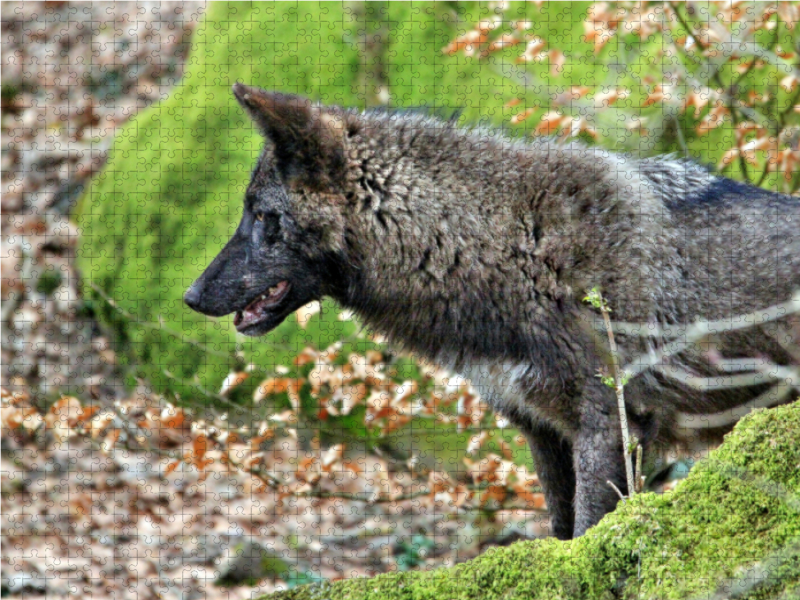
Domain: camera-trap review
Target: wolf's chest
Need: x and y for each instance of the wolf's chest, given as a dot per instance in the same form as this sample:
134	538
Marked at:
515	390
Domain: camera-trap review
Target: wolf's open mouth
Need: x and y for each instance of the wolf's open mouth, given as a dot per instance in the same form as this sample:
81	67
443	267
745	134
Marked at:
258	308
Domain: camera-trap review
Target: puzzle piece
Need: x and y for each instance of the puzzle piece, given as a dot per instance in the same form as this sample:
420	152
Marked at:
413	221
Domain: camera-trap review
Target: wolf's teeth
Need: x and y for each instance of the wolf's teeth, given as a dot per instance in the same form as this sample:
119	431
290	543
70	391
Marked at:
273	290
263	296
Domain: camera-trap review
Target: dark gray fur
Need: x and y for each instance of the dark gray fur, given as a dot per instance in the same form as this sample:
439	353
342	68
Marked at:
475	251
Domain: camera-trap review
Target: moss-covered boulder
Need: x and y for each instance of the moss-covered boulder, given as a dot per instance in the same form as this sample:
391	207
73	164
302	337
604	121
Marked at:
171	193
730	530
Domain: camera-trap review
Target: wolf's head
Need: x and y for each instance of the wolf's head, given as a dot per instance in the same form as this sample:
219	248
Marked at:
287	248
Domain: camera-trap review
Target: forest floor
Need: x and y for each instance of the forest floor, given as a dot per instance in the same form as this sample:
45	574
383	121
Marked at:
89	512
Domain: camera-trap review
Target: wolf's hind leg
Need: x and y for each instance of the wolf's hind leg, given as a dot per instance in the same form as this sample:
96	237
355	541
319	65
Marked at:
552	455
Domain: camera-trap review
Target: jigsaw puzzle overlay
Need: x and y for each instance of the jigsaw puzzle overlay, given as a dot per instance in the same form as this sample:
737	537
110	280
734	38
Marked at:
296	293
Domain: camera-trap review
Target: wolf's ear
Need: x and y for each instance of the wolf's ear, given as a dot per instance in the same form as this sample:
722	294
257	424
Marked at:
308	139
280	117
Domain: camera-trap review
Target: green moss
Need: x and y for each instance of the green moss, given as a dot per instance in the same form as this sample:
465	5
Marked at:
171	193
733	525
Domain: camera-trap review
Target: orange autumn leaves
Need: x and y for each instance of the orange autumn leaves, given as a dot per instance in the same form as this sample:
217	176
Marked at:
281	453
130	421
337	385
729	66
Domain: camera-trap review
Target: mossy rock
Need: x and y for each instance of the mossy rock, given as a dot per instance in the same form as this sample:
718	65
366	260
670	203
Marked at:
730	530
171	193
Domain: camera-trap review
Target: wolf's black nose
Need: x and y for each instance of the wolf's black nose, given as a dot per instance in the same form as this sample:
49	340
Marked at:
192	297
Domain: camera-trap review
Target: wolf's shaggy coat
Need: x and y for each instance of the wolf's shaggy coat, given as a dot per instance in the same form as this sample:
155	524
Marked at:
475	252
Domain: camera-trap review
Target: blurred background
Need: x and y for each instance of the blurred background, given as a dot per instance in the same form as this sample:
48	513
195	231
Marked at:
150	452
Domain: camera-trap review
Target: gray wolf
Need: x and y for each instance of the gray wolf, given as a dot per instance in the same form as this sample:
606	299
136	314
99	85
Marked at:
475	251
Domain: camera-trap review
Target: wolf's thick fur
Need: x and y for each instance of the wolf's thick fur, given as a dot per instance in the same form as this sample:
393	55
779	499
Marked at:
475	252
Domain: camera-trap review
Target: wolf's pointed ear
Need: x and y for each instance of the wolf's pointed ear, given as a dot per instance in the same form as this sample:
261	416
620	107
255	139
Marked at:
279	116
308	139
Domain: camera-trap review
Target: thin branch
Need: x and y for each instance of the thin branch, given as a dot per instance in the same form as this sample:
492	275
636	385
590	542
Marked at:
726	418
317	494
731	104
681	138
367	498
616	489
157	326
787	377
768	373
692	334
639	459
160	326
671	331
596	299
618	388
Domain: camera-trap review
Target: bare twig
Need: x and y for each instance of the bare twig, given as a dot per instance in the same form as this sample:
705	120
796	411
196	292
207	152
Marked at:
765	373
692	334
596	299
704	328
157	326
616	489
367	498
682	337
318	494
729	417
639	459
623	416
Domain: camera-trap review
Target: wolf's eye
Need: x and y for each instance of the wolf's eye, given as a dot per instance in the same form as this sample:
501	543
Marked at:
267	228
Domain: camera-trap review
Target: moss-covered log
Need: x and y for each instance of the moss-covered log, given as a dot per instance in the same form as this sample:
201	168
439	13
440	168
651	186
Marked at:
730	530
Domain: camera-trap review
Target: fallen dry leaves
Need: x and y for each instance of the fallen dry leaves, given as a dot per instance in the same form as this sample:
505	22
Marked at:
144	477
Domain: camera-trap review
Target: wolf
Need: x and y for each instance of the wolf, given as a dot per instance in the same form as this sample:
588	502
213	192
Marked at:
475	251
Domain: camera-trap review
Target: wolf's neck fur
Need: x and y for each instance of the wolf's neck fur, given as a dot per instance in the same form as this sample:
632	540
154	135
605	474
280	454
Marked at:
443	219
